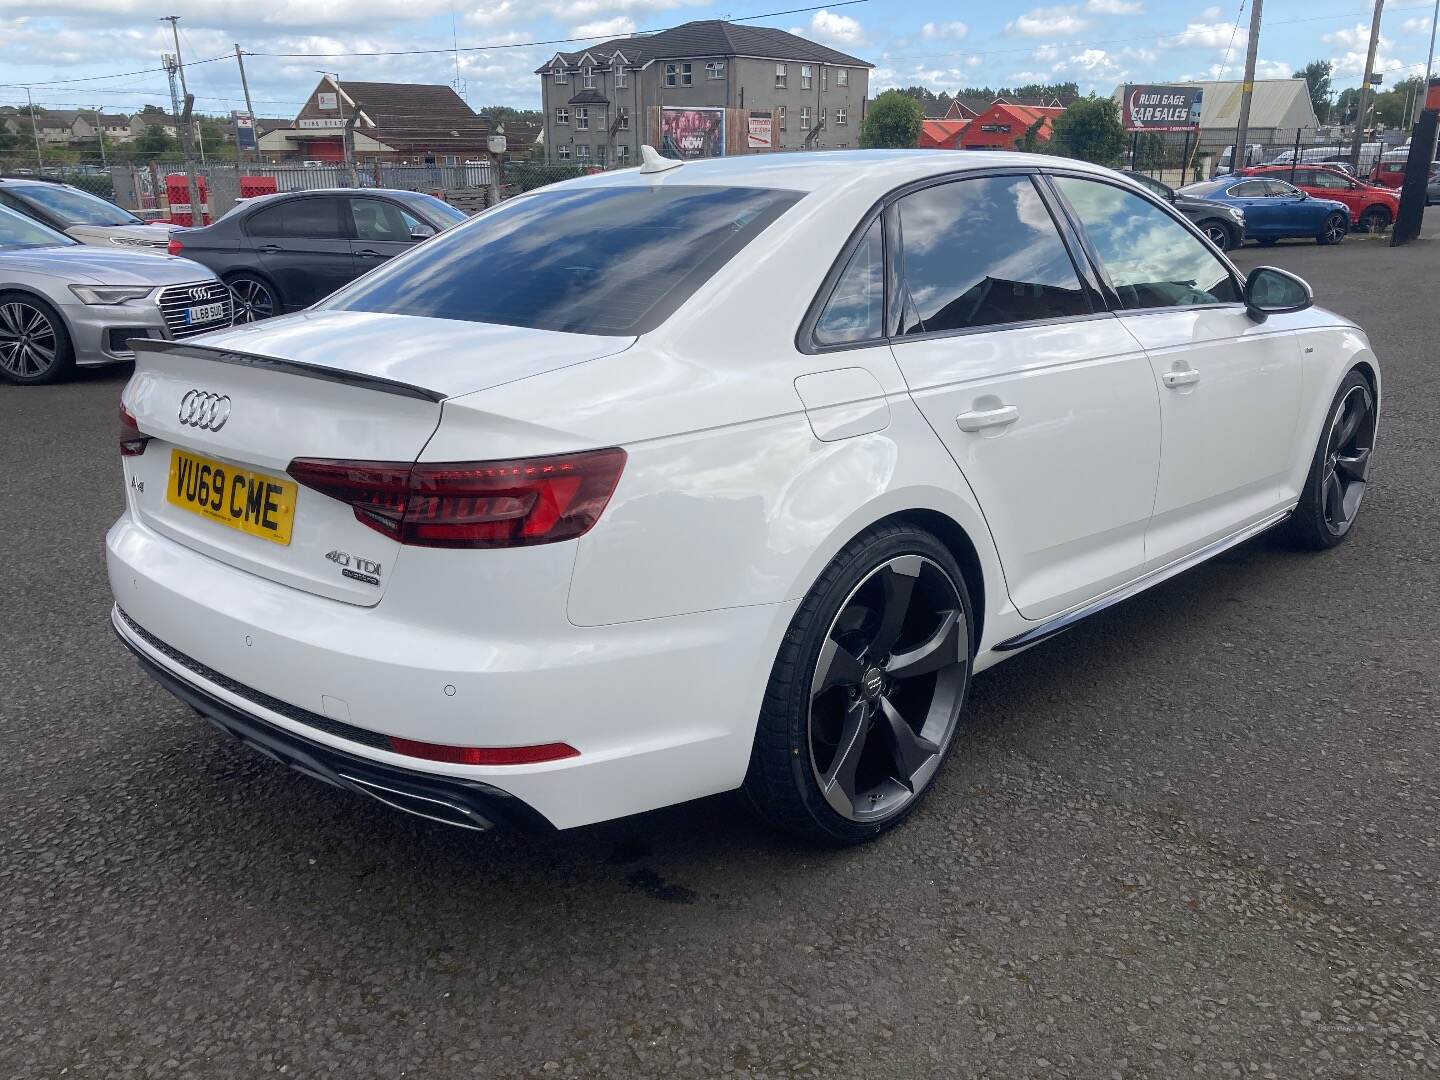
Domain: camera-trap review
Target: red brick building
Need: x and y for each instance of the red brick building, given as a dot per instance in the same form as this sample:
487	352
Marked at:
1002	125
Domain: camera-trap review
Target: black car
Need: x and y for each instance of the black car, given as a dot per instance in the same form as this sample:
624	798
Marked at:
1223	226
284	252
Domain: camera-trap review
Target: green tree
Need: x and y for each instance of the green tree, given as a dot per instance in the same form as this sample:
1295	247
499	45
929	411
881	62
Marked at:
1391	107
504	113
894	121
1345	105
1317	77
155	142
1030	141
1089	130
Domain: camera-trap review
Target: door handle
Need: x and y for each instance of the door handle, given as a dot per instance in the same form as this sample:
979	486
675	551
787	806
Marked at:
987	418
367	253
271	249
1174	379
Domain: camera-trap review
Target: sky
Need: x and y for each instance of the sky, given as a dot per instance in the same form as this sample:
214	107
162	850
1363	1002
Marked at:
88	53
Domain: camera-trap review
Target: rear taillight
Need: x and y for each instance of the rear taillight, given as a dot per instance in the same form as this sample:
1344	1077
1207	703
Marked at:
479	504
175	247
483	755
132	442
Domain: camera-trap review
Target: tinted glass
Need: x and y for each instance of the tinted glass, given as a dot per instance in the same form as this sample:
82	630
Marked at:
1152	260
1278	189
1330	180
1253	189
75	207
376	219
315	219
267	222
436	210
856	310
17	231
984	252
1206	190
1150	182
589	260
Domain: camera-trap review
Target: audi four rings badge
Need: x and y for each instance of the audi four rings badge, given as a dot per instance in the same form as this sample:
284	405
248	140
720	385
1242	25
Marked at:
205	411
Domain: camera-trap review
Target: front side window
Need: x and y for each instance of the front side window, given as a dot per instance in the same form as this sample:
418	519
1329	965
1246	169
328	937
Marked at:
1278	189
856	309
17	231
582	119
804	76
984	252
75	207
780	75
593	260
1151	259
378	220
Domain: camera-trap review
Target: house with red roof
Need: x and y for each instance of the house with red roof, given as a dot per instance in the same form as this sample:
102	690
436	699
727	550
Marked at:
942	134
1002	125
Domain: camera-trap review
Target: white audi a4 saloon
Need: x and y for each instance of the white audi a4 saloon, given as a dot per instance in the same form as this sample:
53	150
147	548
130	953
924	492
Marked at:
715	475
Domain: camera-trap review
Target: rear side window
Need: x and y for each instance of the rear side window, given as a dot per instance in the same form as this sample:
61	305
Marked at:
856	309
591	260
309	219
1254	189
1152	260
984	252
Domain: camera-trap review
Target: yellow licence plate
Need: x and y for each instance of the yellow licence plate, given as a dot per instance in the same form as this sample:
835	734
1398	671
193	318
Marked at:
251	502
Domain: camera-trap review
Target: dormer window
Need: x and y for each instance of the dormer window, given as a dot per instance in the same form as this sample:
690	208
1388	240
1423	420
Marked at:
622	78
589	77
561	75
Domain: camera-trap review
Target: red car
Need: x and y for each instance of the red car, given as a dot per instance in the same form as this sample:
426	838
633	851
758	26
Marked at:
1372	208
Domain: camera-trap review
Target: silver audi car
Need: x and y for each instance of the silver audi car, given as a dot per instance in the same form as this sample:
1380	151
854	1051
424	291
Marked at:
64	304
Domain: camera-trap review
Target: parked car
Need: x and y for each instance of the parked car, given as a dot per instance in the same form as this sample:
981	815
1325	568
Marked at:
1274	209
64	304
1222	224
283	252
715	474
1389	171
1371	207
1253	153
1432	185
81	215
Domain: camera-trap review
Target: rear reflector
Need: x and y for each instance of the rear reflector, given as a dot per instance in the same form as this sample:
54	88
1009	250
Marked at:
175	247
132	442
483	755
479	504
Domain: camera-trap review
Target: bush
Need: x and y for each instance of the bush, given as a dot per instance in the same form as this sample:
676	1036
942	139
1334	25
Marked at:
894	121
1089	130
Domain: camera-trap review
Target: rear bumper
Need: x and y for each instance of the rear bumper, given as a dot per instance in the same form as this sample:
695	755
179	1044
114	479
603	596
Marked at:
468	804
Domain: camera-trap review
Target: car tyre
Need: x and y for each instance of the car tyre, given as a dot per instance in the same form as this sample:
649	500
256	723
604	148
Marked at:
1333	230
255	297
1339	470
866	691
35	345
1375	220
1217	234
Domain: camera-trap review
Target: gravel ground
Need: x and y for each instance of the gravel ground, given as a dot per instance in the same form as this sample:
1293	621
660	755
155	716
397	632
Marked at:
1195	836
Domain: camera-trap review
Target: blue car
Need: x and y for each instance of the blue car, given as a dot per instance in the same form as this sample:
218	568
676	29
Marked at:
1274	209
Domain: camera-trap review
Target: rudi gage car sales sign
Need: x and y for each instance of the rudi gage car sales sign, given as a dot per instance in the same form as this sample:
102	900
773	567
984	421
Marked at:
1162	108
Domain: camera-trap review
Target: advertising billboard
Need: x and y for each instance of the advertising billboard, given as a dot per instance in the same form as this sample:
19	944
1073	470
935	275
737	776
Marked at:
244	131
1161	108
692	133
759	134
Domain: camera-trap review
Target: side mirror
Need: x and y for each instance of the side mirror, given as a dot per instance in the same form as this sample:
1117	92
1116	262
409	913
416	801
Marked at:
1271	291
421	232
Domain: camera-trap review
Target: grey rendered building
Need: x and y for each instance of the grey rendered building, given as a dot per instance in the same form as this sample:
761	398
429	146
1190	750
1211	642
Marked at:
599	102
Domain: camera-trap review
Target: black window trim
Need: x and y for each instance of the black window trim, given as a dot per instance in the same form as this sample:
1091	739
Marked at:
1112	296
896	291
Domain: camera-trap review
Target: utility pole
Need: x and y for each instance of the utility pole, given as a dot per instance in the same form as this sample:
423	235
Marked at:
348	144
187	132
35	130
1239	156
100	130
244	85
1363	104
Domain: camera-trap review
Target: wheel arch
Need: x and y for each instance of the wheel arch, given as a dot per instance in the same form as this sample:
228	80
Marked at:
250	271
953	535
33	294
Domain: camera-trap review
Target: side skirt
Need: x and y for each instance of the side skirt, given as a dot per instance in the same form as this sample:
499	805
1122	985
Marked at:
1060	623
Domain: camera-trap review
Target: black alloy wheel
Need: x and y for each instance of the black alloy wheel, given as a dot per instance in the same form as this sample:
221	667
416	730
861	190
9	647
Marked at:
866	694
1375	220
1340	470
1334	229
1217	234
254	298
34	344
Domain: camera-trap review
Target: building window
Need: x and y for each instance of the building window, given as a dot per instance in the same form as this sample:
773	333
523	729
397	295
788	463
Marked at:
822	116
561	75
715	69
678	75
582	119
824	78
622	78
805	76
599	155
582	153
624	120
563	153
562	116
780	76
840	116
622	154
804	119
589	74
686	78
842	76
780	117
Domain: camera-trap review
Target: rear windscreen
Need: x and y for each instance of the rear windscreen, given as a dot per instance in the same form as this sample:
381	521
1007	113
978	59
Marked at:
592	260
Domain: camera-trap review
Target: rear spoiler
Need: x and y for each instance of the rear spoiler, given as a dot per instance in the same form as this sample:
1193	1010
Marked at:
218	355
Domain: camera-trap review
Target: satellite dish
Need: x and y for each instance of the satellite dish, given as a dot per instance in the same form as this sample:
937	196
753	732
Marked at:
652	162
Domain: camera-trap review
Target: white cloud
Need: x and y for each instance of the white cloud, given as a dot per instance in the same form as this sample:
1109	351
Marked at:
1418	25
951	31
1215	35
1048	22
1210	14
836	29
1115	7
618	26
1273	69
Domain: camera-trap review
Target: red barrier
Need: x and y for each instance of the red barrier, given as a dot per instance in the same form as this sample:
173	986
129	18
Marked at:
177	190
251	186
